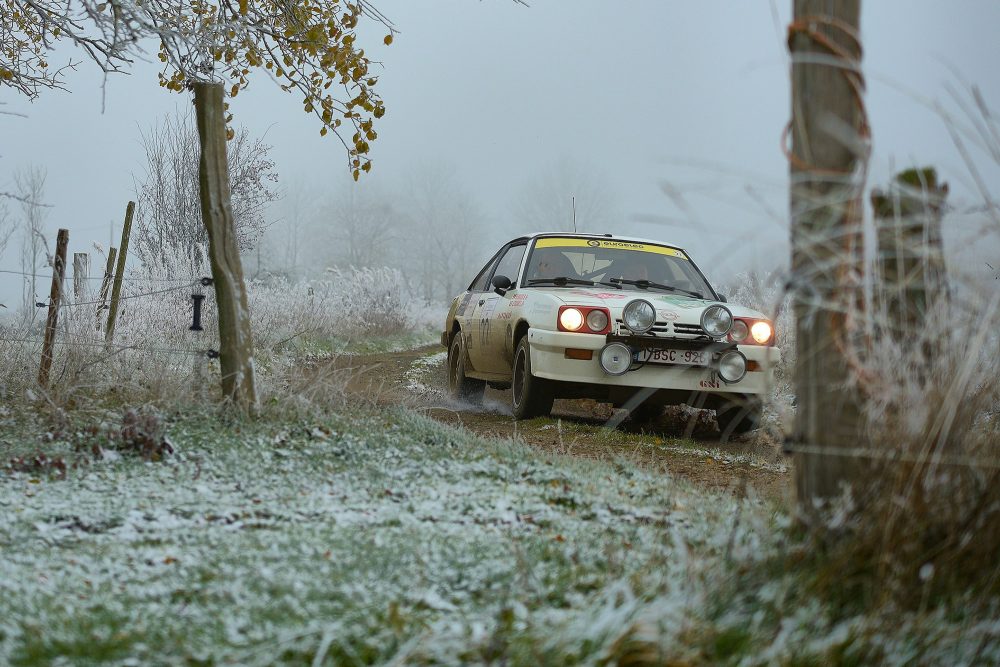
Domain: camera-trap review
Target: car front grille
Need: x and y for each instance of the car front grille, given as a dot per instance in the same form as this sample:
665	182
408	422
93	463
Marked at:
689	330
675	329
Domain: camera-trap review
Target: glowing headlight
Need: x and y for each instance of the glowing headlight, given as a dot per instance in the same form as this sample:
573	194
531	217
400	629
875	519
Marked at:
716	321
761	332
639	316
571	319
739	332
597	320
732	366
616	359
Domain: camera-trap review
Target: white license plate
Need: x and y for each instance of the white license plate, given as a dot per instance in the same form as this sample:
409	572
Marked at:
678	357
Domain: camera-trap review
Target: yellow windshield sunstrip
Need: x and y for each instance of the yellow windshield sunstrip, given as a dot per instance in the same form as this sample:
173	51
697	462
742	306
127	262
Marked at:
609	244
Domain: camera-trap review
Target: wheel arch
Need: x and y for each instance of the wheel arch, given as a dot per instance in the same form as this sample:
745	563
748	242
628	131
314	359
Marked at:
454	329
520	331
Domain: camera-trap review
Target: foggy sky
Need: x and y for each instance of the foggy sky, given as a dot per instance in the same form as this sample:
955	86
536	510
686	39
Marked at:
639	94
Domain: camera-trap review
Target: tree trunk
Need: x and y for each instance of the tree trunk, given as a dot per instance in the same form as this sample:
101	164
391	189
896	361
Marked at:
829	151
239	385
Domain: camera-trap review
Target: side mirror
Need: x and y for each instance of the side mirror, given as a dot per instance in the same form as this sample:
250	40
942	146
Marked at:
723	299
501	284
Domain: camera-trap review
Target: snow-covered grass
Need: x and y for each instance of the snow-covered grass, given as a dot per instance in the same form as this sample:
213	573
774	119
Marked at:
389	538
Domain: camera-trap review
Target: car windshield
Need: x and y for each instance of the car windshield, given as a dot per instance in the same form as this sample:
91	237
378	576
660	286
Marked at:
639	267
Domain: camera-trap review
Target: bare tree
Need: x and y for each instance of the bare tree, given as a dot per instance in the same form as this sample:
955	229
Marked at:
299	211
168	217
7	226
445	225
363	226
30	186
546	203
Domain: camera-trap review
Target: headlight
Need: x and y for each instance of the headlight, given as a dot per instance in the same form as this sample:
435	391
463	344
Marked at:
739	332
616	359
597	320
732	366
761	332
571	319
639	316
716	321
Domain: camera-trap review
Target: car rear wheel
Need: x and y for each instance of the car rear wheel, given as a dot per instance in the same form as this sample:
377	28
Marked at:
531	396
736	417
460	386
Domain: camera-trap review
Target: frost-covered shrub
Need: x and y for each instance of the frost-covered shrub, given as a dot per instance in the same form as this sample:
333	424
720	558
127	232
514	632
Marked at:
345	303
156	357
924	513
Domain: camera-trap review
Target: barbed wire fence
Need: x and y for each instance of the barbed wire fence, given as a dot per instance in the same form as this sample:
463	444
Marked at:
163	316
68	310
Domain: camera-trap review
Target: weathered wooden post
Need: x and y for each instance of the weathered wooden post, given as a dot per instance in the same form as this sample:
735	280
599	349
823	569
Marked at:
106	284
55	294
911	265
829	148
81	274
109	332
239	384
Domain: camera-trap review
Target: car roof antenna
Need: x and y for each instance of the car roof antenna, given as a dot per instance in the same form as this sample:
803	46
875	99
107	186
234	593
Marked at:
574	215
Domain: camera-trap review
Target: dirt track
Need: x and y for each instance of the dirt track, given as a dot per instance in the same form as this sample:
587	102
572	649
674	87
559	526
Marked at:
416	378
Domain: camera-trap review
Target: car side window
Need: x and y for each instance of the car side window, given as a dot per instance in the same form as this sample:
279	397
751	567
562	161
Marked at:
510	262
481	283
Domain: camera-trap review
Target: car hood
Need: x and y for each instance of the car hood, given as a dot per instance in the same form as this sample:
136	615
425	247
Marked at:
669	307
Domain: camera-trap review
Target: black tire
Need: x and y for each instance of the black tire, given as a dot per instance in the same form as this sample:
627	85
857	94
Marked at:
737	417
531	396
460	386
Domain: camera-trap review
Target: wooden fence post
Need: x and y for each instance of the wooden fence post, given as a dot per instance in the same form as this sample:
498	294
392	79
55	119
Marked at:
55	294
239	384
106	284
911	263
81	274
829	134
116	291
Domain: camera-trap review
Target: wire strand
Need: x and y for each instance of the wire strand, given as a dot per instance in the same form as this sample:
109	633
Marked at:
123	298
116	349
124	278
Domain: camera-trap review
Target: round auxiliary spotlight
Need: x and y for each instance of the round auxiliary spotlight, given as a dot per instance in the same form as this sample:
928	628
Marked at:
732	366
716	321
616	359
639	316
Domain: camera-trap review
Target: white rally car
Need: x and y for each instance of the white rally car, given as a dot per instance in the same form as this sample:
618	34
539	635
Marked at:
626	321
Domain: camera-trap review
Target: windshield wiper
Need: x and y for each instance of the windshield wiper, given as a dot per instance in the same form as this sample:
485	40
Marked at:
645	284
560	281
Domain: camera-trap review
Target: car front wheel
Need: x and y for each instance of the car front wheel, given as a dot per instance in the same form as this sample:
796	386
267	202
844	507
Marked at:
531	396
738	417
460	386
